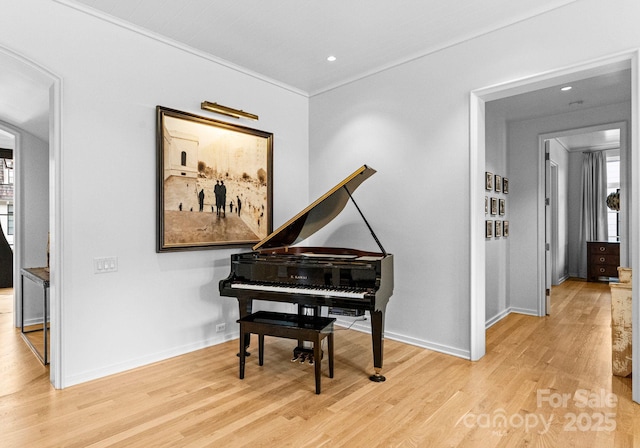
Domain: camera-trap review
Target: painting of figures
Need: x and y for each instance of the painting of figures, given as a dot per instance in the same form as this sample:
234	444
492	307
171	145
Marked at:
214	182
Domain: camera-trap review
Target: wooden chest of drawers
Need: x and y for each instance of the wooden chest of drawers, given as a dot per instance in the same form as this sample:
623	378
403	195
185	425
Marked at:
603	259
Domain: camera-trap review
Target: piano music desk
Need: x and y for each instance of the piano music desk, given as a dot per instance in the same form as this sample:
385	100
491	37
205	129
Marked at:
291	326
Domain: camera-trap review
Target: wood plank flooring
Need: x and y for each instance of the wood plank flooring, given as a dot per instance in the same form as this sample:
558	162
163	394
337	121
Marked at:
544	382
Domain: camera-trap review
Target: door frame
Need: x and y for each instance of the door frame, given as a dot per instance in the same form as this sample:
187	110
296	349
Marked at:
29	67
477	100
624	198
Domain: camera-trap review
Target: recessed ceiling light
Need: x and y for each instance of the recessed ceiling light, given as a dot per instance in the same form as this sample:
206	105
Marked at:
331	58
566	88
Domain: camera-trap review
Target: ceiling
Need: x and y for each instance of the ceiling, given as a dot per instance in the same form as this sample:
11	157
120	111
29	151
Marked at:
607	139
612	86
288	41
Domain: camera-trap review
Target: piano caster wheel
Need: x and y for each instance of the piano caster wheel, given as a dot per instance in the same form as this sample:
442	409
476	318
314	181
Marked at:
377	378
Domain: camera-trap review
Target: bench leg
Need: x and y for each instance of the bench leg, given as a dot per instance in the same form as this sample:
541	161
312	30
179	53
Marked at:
317	361
261	349
241	353
330	350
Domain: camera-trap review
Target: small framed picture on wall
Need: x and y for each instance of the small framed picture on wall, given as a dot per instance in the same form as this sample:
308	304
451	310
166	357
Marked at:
494	206
505	185
505	228
498	184
501	206
498	229
488	181
488	231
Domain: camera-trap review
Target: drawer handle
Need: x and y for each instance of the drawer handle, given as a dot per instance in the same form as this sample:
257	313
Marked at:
602	258
602	248
602	270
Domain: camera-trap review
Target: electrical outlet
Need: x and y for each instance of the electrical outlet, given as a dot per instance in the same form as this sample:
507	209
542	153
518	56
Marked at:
220	327
105	264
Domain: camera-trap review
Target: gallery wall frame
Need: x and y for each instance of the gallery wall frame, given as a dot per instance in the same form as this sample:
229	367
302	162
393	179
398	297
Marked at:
488	181
488	228
214	182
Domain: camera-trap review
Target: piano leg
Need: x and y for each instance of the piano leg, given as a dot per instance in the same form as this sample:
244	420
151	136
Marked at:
246	306
377	338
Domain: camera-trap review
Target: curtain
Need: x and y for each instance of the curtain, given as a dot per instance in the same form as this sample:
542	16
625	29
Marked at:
593	205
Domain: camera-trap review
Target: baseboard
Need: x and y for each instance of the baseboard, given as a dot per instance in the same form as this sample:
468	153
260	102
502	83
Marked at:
497	318
364	327
563	279
113	369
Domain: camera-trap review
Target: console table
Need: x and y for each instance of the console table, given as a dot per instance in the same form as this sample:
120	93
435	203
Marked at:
39	276
291	326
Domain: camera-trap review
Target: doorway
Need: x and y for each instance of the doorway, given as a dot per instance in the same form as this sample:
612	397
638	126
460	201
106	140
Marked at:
479	98
567	253
44	96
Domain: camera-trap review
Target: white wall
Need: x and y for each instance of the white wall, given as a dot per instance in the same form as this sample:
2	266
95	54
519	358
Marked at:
411	122
496	248
156	305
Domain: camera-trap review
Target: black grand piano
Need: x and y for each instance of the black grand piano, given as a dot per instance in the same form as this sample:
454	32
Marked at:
313	277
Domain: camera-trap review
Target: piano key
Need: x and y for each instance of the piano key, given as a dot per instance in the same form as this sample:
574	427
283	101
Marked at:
302	289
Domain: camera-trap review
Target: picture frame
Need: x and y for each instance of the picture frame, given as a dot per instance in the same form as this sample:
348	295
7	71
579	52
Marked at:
486	205
488	181
498	229
488	229
505	185
505	228
498	184
214	182
501	207
494	206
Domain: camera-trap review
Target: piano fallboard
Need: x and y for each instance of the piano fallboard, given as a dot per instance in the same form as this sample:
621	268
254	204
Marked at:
342	278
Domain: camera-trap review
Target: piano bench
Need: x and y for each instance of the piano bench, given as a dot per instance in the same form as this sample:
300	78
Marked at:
290	326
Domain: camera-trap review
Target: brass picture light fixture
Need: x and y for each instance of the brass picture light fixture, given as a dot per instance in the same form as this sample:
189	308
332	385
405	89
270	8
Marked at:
224	110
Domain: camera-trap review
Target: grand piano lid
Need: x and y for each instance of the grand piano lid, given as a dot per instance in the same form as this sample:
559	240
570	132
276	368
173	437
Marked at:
318	214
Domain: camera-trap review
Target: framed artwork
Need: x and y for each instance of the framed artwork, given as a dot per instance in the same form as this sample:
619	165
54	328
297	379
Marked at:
505	185
488	181
505	228
488	230
501	206
214	182
498	183
494	206
486	205
498	229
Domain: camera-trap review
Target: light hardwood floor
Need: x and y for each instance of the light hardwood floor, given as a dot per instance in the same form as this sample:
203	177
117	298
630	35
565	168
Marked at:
543	382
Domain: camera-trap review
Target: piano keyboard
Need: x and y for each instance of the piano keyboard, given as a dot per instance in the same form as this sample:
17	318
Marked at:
302	289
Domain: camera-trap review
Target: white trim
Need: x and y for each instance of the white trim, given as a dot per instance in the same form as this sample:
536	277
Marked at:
477	299
497	318
56	225
634	221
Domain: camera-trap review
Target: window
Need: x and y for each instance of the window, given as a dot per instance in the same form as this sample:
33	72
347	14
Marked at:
183	158
613	186
9	219
8	173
